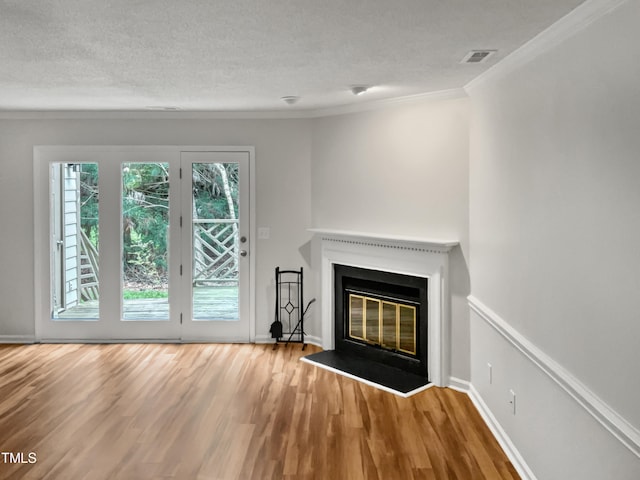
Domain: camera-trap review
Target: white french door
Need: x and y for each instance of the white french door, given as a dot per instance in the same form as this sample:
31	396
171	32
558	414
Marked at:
216	246
143	243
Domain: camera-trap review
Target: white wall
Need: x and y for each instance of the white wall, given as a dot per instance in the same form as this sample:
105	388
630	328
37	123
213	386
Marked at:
283	172
554	242
400	171
407	167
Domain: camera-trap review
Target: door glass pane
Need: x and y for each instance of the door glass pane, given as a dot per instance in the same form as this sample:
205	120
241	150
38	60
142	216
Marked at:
215	242
145	241
75	291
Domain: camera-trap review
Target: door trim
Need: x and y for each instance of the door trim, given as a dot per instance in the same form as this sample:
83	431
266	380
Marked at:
43	155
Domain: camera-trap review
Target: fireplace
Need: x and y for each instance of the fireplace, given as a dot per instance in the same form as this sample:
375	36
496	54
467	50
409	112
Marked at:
420	260
382	316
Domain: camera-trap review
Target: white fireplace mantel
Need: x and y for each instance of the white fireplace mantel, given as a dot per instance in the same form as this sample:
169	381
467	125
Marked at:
405	255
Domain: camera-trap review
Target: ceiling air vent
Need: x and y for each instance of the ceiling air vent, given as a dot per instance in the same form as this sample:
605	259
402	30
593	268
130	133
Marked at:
477	56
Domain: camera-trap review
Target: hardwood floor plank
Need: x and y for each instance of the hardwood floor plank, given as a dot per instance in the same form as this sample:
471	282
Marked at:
226	412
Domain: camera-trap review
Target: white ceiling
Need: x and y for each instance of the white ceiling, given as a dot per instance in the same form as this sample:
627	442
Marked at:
244	55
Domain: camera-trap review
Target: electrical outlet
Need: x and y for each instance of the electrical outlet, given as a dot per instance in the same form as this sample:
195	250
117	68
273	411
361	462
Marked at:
513	401
490	372
264	233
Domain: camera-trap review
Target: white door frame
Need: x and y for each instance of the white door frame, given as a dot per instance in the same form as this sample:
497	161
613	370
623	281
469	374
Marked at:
110	157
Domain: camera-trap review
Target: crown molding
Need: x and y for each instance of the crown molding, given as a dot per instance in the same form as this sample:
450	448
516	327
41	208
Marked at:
149	115
569	25
450	94
231	115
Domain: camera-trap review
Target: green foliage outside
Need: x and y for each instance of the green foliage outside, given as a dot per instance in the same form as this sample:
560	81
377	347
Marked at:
138	294
145	216
89	200
145	222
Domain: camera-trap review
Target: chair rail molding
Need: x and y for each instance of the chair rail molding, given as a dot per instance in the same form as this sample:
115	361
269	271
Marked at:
618	426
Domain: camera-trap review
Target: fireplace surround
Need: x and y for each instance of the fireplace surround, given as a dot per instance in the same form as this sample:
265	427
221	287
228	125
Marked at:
408	256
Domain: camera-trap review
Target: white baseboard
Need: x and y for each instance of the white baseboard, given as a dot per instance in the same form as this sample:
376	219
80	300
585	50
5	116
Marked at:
313	340
110	341
600	410
26	339
17	339
310	339
500	435
496	429
263	339
459	385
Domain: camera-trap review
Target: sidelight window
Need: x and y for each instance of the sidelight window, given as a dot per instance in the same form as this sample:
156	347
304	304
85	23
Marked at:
75	286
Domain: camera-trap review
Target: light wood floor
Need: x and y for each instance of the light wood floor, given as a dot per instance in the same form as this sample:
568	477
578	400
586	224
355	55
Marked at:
226	412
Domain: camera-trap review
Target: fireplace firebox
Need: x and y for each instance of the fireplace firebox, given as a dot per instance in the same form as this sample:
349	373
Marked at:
382	317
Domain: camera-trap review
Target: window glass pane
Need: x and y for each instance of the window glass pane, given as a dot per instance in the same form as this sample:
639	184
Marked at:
145	241
75	259
215	240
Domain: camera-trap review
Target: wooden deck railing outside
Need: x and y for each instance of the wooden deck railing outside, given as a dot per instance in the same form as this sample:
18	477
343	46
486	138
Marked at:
215	256
215	259
89	269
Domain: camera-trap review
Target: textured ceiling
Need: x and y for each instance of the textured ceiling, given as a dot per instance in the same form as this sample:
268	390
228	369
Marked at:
205	55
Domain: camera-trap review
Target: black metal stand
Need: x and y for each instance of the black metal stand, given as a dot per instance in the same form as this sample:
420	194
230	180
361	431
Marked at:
289	315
